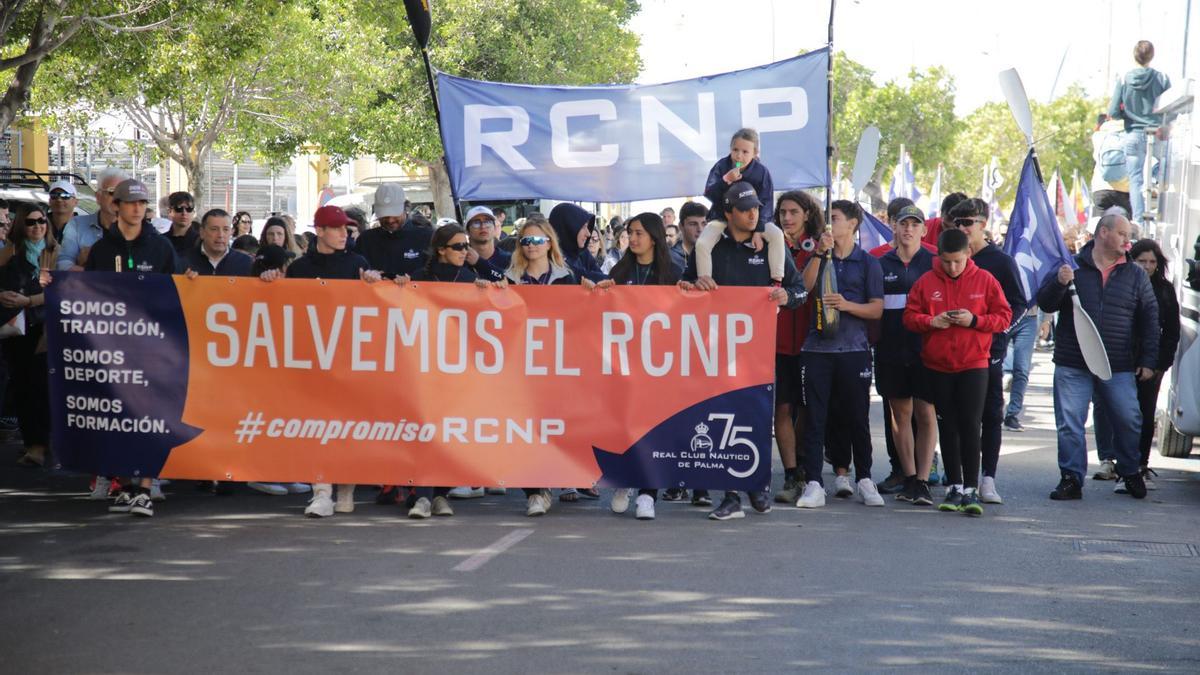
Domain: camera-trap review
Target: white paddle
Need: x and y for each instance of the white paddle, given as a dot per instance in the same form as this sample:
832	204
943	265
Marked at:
864	160
1090	345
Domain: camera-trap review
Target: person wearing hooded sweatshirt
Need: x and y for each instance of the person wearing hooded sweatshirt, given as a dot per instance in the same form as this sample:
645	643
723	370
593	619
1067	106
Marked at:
397	247
573	226
957	306
131	245
1133	101
328	258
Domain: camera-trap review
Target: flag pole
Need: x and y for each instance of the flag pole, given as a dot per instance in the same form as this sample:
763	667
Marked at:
829	112
421	21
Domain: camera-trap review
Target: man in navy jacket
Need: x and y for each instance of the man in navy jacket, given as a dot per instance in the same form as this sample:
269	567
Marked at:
1117	295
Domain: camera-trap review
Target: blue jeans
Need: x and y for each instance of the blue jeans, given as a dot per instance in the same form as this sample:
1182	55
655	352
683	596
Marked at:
1020	361
1116	403
1135	162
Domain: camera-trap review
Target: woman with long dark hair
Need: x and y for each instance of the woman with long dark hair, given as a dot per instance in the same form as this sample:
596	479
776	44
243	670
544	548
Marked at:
1149	256
242	224
34	249
646	262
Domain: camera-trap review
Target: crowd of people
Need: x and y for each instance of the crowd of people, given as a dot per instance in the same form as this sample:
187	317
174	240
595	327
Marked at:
928	318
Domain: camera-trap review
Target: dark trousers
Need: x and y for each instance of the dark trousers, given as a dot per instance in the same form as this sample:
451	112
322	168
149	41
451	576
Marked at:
31	386
993	416
429	493
888	440
1148	401
835	381
959	398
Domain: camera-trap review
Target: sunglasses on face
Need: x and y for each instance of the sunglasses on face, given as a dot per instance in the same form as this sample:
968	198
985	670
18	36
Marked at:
534	241
480	223
31	222
460	246
60	195
966	222
183	209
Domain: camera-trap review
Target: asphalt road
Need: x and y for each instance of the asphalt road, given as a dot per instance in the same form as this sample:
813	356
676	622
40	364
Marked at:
246	584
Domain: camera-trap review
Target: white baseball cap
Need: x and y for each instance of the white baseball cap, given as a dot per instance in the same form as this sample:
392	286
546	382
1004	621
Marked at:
477	211
64	185
389	200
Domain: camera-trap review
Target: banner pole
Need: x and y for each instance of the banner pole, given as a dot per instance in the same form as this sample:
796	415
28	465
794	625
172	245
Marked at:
437	111
829	114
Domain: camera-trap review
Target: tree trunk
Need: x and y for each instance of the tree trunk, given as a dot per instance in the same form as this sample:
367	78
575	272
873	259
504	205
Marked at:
17	94
197	172
439	184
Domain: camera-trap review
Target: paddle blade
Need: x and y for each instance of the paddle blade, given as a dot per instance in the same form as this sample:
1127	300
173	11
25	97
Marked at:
864	159
1018	102
1094	353
419	17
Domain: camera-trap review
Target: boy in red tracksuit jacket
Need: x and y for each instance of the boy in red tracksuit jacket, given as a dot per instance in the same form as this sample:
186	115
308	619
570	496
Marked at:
957	307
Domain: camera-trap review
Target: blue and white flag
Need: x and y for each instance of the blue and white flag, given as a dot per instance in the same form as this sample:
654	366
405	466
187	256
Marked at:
1033	238
631	142
935	196
873	232
904	182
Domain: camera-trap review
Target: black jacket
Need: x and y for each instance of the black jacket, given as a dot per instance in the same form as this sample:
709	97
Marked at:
755	174
395	253
1124	311
567	220
1168	322
1002	266
19	275
148	252
898	344
446	272
234	264
338	265
493	268
738	264
184	243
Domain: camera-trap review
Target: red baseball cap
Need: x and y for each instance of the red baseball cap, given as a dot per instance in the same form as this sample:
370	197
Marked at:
331	216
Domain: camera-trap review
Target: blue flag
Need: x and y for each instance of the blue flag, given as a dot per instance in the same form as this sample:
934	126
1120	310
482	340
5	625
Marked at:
873	232
1033	238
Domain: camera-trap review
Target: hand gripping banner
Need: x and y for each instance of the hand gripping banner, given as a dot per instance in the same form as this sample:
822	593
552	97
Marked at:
432	384
623	143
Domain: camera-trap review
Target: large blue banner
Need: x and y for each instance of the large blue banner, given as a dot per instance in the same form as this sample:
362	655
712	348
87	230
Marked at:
623	143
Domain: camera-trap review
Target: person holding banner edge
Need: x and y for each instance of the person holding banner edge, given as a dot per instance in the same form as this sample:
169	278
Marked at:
736	262
1104	279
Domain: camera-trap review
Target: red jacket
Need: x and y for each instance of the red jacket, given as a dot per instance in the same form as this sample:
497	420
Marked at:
933	229
957	348
793	324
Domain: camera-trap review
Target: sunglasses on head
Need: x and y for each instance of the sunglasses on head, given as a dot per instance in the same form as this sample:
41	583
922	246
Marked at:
183	209
30	222
460	246
58	194
534	241
966	222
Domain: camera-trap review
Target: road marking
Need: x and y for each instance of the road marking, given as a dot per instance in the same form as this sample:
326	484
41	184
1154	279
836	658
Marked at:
499	546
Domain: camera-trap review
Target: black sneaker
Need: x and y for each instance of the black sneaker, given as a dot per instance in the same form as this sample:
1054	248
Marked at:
389	495
701	498
953	500
760	500
923	497
730	508
970	504
793	487
909	492
675	495
893	483
1013	424
1134	484
142	505
1068	488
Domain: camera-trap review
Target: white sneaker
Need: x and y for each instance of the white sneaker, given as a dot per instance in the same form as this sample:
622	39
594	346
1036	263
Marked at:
156	493
496	491
420	510
441	506
813	497
467	493
273	489
321	505
645	507
345	499
842	487
101	490
987	491
869	494
537	505
620	500
298	488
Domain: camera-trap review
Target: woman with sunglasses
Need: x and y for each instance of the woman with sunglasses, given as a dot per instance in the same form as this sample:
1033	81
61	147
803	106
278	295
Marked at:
446	262
34	249
538	261
242	224
646	261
